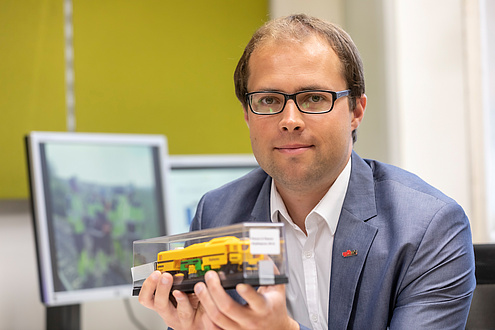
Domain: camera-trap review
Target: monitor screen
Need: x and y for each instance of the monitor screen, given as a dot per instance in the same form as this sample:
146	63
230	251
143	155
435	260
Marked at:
92	196
192	176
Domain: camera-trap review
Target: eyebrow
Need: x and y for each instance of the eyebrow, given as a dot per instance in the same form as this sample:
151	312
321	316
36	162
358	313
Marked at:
303	88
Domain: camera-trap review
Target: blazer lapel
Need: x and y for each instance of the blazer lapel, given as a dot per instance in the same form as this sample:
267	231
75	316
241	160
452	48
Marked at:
352	241
261	209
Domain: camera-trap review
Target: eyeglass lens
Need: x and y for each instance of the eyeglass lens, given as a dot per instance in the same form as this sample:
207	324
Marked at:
311	101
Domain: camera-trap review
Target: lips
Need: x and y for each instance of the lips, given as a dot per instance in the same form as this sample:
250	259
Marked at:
294	148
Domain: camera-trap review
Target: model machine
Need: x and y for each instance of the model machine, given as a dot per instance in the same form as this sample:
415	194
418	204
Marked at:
252	253
226	254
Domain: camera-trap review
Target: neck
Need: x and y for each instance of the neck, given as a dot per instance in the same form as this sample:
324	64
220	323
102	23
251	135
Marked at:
300	203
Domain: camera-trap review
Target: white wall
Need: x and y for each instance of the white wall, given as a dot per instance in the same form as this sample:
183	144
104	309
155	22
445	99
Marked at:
330	10
20	294
431	84
487	21
436	90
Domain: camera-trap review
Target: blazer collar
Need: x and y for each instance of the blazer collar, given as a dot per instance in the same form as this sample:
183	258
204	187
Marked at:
261	209
360	197
359	200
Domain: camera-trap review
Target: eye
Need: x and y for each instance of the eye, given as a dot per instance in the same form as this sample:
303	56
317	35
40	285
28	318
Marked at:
315	98
269	100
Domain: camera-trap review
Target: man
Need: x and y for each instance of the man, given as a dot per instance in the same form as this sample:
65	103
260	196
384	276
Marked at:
370	246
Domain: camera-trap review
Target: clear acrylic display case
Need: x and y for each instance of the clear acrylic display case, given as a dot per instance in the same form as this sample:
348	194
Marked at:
250	252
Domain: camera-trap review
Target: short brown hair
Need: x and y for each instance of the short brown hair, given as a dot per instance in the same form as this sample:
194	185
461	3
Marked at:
298	27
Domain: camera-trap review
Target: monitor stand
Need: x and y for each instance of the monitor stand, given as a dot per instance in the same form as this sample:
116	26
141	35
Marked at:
63	317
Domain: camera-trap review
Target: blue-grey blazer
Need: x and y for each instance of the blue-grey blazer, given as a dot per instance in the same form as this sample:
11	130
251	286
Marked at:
414	267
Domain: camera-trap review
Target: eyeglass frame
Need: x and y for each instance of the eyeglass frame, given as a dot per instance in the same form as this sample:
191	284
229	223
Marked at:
335	97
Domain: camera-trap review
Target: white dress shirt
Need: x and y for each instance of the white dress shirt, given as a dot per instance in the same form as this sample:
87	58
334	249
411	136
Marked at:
310	257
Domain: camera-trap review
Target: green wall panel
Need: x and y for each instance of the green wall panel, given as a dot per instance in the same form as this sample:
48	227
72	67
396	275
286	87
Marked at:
32	87
153	67
164	67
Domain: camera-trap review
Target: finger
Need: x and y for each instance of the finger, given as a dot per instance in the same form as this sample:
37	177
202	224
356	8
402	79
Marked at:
212	311
162	303
220	297
207	323
194	300
280	288
258	300
147	293
254	299
185	311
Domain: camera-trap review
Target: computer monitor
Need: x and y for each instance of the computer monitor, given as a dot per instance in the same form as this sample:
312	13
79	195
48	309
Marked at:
92	196
482	310
192	176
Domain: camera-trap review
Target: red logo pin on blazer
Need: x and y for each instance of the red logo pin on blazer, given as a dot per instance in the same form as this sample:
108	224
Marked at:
349	253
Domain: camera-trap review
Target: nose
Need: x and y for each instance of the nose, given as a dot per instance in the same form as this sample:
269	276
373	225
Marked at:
291	118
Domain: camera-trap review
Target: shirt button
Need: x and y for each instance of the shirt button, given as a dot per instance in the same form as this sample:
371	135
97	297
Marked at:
314	318
308	254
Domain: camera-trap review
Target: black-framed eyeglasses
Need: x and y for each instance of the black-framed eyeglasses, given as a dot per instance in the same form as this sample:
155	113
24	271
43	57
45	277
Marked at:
310	101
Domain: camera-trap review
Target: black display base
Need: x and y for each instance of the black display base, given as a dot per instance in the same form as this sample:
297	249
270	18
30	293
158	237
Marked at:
63	317
230	282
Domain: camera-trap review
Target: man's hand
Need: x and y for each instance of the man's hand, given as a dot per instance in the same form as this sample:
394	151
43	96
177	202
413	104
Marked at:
155	295
265	308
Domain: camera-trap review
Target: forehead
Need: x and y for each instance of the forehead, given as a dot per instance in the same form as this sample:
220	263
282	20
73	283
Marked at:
287	62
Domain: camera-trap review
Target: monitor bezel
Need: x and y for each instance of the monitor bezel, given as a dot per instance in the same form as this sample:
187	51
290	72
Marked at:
199	161
33	141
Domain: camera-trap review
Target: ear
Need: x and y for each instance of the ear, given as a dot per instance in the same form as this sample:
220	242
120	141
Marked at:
358	112
246	116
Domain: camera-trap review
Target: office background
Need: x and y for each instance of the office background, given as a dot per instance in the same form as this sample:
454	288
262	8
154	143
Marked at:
163	67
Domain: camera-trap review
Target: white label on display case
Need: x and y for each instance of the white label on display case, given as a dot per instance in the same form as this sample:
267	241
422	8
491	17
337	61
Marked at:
264	241
143	271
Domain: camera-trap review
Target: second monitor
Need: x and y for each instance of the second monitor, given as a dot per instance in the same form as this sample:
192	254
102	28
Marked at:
193	175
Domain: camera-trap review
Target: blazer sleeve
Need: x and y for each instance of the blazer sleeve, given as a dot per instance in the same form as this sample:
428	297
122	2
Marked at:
437	290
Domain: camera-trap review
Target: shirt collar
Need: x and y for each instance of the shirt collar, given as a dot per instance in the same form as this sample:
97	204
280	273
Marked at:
329	207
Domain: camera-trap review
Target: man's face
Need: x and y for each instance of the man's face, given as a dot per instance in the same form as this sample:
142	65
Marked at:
301	151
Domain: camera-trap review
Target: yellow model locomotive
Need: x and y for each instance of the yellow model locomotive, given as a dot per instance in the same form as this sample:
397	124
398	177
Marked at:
228	254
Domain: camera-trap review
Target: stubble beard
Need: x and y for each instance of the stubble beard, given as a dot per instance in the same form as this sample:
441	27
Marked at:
297	176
